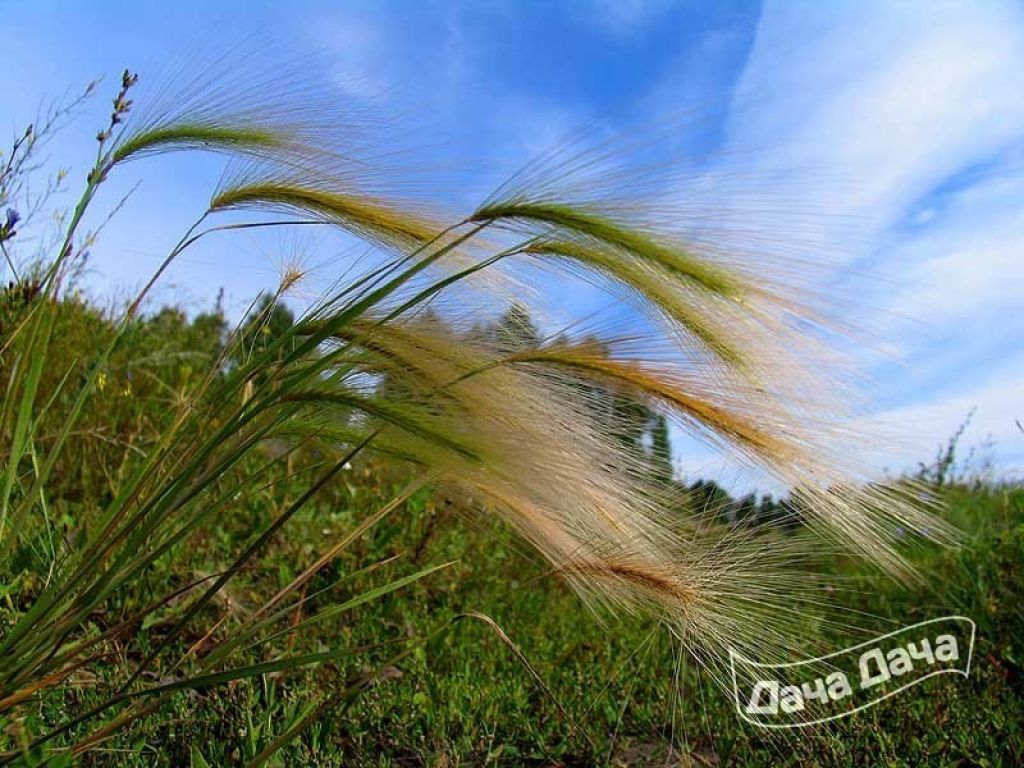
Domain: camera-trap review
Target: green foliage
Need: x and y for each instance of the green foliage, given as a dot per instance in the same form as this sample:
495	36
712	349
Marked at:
466	699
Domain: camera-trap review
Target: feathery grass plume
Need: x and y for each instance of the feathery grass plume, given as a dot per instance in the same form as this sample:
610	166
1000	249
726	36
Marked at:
299	147
659	283
754	363
790	444
602	229
374	220
706	298
679	390
199	135
543	463
249	99
426	249
292	274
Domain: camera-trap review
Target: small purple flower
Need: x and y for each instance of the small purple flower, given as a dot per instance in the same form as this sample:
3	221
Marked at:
7	230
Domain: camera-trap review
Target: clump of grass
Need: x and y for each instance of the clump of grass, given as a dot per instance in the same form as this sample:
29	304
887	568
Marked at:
367	370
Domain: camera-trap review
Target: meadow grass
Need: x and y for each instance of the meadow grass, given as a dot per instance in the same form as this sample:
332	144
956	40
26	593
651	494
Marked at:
632	693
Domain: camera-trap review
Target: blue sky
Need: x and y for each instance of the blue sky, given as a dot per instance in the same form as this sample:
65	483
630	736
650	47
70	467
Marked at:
888	136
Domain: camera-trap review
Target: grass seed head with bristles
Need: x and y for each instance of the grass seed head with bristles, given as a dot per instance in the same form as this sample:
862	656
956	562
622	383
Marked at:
780	438
375	220
198	136
753	367
713	305
291	276
540	460
594	226
249	100
652	284
687	394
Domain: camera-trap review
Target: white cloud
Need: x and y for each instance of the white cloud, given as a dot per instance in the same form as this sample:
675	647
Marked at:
969	257
923	427
902	124
880	102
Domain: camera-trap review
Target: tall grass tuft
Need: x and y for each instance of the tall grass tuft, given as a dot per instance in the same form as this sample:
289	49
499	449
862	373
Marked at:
367	370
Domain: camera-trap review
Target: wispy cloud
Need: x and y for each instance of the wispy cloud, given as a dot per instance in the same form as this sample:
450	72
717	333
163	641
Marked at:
994	405
624	18
903	124
891	98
